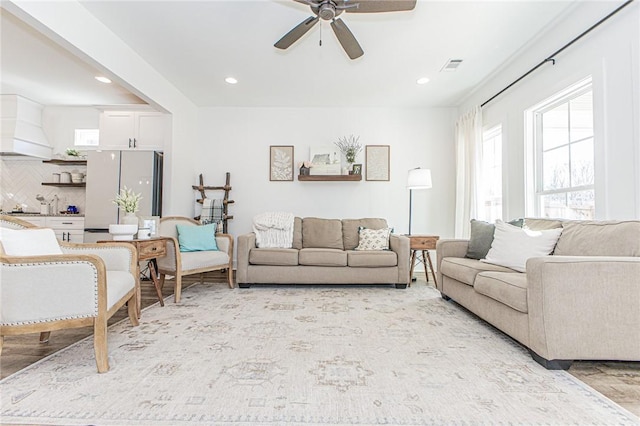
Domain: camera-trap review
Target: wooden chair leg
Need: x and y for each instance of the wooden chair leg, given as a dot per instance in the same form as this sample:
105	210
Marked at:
1	343
100	342
178	288
44	336
161	277
230	277
132	310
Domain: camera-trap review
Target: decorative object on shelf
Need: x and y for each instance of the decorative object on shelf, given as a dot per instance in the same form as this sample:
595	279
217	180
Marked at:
417	179
377	162
356	169
350	147
281	163
123	232
65	177
72	152
305	168
325	160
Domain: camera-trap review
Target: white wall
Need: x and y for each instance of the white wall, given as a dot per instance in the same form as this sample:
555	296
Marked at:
59	124
237	140
610	53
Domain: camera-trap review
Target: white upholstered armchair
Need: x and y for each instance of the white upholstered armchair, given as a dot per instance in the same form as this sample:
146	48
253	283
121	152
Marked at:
74	285
179	264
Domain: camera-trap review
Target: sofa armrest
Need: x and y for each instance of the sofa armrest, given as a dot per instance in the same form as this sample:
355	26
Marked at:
449	248
584	307
400	245
245	243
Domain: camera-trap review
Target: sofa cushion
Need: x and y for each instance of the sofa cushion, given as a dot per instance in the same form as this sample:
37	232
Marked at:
540	224
297	233
273	256
508	288
465	270
594	238
322	233
372	259
350	229
512	246
322	257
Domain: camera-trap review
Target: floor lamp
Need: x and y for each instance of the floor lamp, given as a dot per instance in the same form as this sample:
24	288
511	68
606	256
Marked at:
417	179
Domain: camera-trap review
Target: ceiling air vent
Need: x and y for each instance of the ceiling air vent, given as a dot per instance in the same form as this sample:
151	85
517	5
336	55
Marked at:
451	65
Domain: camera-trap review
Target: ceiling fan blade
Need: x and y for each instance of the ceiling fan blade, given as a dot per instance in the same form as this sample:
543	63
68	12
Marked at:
292	36
376	6
346	39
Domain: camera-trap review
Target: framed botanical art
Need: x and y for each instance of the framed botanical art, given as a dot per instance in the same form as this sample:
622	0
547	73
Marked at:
281	163
377	162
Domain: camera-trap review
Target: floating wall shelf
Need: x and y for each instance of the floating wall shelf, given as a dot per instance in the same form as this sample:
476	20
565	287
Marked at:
316	178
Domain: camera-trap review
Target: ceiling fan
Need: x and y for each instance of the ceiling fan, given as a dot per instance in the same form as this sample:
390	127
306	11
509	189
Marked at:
329	10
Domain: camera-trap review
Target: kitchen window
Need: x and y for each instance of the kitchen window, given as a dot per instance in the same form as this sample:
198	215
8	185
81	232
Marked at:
86	137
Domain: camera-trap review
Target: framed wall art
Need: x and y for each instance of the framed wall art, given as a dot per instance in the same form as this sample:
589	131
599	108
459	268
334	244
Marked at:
281	163
150	222
377	162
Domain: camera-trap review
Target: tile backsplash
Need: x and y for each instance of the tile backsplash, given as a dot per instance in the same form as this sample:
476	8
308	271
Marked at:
21	181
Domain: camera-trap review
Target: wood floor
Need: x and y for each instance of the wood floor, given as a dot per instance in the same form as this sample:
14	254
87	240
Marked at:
619	381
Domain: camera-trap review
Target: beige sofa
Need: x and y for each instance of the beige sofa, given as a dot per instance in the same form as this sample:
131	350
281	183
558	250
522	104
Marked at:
323	253
581	303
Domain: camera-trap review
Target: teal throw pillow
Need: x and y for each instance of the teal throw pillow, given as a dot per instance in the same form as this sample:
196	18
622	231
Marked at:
197	238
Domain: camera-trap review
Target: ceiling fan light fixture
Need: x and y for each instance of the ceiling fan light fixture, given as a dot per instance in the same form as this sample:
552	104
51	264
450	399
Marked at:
422	80
231	80
102	79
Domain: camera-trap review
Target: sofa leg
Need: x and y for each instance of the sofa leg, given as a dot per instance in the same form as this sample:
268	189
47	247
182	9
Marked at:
554	364
401	286
445	297
244	285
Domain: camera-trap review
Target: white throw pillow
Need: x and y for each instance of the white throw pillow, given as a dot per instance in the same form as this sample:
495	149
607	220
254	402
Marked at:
373	239
512	246
29	242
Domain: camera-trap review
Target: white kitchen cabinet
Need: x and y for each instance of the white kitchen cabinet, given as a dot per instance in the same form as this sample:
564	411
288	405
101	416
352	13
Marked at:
143	130
68	229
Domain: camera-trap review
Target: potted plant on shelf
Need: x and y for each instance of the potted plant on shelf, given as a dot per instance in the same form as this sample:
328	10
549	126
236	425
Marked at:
350	147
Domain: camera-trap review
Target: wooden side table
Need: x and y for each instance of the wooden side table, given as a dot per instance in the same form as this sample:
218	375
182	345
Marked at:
422	243
149	250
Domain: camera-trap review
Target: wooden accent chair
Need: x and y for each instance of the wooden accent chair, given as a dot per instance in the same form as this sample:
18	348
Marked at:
83	286
179	264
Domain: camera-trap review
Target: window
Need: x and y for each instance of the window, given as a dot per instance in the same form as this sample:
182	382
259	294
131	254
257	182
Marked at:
86	137
564	155
490	184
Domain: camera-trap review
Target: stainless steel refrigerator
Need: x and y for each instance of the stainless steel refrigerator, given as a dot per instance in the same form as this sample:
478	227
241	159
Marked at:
110	171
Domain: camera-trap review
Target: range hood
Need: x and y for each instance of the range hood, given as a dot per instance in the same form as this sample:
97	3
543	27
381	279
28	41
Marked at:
21	124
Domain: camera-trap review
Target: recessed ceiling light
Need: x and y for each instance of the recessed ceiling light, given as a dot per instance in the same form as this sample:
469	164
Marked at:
102	79
422	80
231	80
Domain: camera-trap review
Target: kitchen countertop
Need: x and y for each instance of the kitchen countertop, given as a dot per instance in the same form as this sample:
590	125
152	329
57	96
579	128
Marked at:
41	215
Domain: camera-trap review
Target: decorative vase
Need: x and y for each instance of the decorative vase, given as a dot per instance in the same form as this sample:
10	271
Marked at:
129	218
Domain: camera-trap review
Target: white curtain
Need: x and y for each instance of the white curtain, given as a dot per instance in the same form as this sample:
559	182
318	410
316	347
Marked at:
468	154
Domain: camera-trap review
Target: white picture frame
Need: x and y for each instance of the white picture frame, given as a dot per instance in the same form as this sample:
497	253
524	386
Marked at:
151	222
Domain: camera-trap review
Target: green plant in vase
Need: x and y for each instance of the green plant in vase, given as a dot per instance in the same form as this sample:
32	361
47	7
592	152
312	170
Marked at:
129	202
350	147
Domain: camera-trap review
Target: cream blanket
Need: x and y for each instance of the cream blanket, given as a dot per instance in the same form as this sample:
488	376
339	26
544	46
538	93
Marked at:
273	229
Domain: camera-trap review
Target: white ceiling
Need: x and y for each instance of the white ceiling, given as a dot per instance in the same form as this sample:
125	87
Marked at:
196	44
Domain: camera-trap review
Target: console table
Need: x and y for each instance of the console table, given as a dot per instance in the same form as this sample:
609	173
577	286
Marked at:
148	249
422	243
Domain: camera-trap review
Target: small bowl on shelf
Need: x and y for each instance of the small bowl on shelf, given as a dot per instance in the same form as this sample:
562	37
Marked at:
123	232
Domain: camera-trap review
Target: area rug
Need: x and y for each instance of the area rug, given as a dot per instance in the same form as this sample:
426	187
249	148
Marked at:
303	355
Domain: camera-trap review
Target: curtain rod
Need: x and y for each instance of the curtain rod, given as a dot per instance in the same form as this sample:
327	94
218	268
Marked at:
551	57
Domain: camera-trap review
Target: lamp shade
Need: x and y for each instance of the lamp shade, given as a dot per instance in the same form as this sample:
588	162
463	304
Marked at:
419	179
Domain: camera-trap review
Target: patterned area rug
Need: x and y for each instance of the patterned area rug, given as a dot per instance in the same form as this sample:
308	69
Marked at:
303	355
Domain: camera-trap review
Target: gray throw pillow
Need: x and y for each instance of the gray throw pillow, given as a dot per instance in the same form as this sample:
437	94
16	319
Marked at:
482	237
